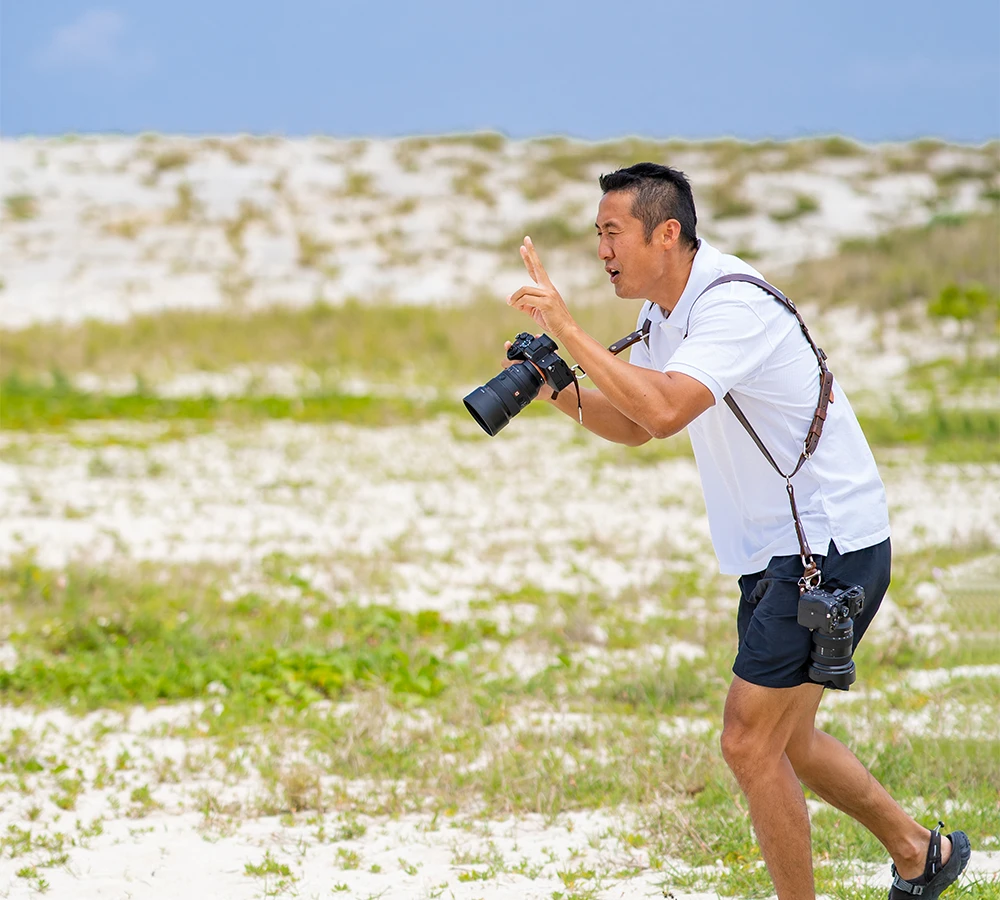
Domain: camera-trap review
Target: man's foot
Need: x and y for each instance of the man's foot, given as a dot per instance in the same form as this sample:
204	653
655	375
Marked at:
940	870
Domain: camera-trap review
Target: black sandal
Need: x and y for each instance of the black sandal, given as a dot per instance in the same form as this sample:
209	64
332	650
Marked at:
936	877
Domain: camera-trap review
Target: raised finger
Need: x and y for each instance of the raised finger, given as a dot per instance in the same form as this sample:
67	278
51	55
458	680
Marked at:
529	264
539	273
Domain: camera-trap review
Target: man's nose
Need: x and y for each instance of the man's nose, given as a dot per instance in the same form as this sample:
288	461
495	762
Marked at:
604	250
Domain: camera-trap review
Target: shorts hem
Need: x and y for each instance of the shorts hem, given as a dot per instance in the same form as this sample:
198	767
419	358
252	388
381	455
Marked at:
771	683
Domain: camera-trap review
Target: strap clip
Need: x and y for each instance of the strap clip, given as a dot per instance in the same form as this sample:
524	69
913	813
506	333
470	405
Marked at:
812	577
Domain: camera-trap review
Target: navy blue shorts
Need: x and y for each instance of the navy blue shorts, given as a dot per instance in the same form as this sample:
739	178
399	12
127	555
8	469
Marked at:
774	648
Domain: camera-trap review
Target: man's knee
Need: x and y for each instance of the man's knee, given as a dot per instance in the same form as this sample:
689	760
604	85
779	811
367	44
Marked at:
744	748
733	744
760	724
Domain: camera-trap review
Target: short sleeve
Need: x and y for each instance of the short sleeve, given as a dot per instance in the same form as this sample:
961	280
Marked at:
727	340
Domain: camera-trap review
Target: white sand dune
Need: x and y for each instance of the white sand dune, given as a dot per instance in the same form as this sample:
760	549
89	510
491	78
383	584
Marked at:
113	227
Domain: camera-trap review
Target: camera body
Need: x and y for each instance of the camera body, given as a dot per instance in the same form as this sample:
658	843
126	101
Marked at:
828	611
827	606
536	363
542	352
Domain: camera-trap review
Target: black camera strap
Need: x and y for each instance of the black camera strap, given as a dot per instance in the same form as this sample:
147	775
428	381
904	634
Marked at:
812	576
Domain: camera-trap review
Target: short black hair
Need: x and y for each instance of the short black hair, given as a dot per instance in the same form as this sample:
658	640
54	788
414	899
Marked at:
659	193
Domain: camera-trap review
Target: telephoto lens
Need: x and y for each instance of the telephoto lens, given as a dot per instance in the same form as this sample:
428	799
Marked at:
831	656
497	402
828	611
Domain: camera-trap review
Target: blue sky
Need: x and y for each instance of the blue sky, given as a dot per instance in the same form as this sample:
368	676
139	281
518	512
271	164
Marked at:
872	70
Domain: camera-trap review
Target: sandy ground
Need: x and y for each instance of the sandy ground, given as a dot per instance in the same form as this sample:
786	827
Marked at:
176	851
167	858
235	497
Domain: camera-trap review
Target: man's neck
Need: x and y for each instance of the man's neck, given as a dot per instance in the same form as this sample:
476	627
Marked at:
674	280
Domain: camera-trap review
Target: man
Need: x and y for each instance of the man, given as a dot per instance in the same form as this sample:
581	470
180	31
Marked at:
737	338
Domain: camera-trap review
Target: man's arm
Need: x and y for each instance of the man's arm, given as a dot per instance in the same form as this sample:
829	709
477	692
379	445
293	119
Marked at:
599	416
660	403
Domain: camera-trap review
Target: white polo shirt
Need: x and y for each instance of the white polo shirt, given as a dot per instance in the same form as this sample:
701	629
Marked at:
738	338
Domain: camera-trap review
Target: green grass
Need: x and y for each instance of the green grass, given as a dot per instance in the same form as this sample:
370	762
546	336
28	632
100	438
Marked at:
951	376
803	205
469	181
32	405
726	199
95	639
20	207
945	435
485	141
553	231
904	266
431	345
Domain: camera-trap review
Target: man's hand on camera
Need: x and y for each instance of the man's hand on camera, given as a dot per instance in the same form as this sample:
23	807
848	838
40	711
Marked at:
544	392
540	300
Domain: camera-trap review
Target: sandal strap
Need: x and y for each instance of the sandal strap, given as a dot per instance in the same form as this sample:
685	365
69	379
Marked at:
933	865
901	884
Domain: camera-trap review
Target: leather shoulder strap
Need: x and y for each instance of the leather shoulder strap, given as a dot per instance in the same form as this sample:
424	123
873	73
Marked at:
640	334
825	378
812	575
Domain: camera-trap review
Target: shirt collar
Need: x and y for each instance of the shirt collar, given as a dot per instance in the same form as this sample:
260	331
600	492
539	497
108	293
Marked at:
703	271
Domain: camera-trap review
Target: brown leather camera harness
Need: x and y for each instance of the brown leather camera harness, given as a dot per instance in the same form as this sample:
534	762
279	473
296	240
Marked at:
812	576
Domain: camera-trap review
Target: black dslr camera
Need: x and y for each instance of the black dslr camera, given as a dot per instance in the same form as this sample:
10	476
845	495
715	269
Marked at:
497	402
828	611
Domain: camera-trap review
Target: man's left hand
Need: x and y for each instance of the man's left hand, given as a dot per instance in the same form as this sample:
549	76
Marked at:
540	300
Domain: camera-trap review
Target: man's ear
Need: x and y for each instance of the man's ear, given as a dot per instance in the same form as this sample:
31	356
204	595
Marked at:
667	234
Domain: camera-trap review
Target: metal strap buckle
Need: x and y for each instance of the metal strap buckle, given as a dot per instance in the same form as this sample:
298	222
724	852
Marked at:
812	577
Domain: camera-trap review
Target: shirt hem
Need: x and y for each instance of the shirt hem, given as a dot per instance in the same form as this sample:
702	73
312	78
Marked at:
760	562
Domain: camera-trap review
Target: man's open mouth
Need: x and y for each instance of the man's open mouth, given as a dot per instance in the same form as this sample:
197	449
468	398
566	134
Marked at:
614	273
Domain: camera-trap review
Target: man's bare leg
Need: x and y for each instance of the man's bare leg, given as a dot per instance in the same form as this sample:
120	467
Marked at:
834	773
757	726
769	733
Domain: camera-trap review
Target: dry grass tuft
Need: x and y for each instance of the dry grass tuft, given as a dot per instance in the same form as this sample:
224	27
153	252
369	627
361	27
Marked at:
900	267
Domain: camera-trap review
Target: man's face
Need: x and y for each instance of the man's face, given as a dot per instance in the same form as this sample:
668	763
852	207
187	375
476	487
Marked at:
634	265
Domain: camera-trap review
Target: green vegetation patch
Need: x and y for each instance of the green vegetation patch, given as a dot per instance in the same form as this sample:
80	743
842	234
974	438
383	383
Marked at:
20	207
906	265
946	435
402	344
802	205
33	405
94	638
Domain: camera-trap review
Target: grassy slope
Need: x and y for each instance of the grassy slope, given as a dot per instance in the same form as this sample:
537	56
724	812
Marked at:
450	350
458	344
